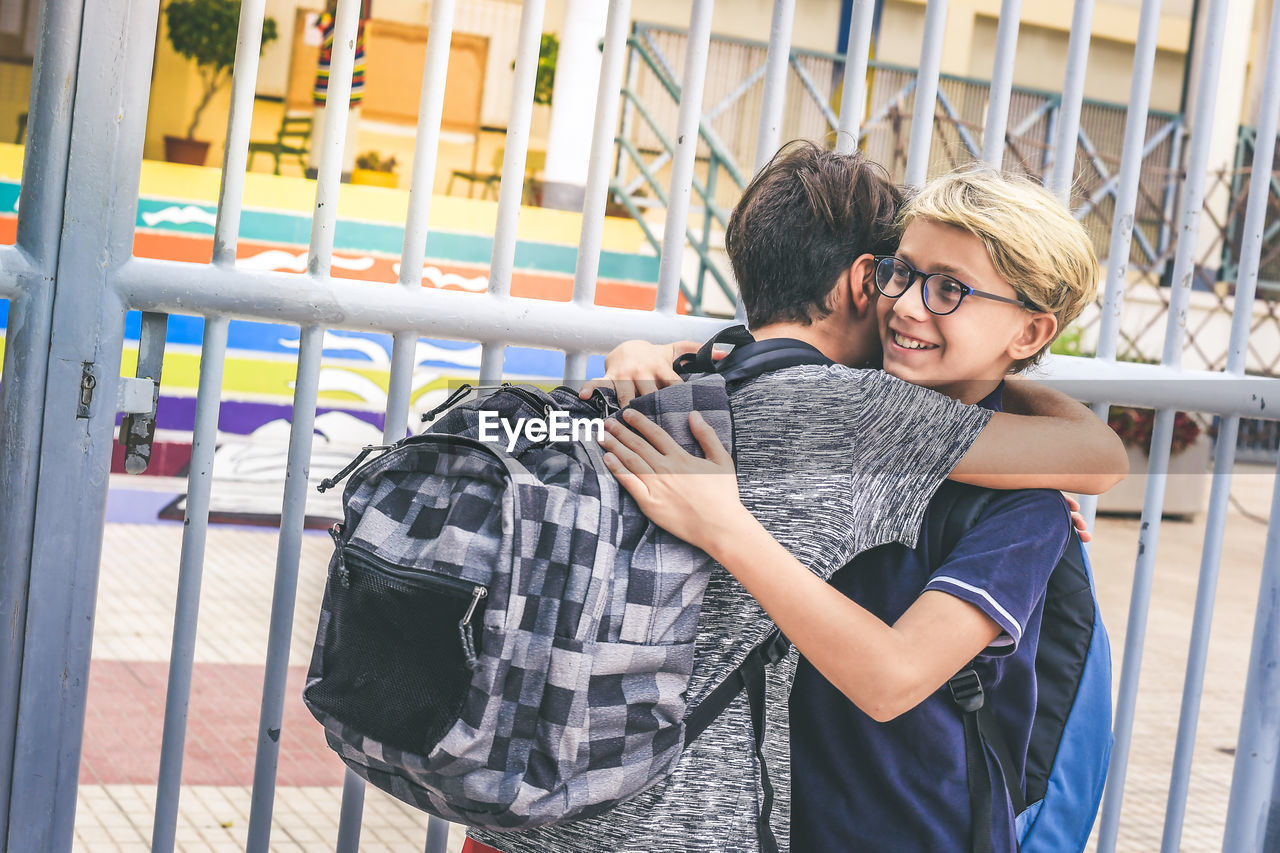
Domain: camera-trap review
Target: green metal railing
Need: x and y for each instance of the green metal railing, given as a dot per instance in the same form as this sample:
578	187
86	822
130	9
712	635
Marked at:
718	159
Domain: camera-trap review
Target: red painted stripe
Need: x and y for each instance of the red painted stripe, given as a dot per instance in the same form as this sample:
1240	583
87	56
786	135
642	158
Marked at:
553	287
125	718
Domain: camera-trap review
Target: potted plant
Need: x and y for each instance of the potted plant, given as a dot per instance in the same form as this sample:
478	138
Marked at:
205	31
371	169
543	86
1188	469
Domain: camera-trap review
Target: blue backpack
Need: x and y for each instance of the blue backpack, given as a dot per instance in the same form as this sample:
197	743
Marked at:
1071	739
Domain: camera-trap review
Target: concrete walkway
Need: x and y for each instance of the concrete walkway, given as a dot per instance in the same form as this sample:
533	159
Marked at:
135	623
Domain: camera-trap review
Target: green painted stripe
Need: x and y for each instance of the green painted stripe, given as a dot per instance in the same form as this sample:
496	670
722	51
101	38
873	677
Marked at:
356	236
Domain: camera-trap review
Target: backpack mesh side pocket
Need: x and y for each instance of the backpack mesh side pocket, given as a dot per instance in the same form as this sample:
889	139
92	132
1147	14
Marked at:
394	664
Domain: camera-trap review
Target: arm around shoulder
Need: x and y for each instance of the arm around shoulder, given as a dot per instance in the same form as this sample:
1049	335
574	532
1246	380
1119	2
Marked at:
1044	439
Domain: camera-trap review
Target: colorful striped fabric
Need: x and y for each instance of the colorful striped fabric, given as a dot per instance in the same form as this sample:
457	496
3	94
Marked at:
326	26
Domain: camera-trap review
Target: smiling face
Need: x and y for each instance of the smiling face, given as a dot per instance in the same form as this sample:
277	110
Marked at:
964	354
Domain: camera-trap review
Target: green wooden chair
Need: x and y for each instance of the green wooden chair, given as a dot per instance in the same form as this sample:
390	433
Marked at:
292	140
535	162
488	181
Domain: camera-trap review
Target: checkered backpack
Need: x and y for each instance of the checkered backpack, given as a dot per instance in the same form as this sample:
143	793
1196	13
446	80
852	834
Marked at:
505	641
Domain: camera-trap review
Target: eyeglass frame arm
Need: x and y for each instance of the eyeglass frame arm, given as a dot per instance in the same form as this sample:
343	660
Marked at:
923	278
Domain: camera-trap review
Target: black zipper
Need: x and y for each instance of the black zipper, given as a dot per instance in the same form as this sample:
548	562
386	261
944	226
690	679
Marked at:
360	557
537	403
424	580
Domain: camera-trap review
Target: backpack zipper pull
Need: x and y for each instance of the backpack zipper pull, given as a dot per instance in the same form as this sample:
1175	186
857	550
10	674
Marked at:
329	482
462	391
344	576
464	627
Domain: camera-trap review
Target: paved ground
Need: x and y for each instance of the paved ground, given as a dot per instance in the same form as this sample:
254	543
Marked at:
133	636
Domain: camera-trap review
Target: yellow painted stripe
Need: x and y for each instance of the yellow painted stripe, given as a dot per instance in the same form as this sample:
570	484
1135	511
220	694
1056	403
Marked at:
267	379
370	204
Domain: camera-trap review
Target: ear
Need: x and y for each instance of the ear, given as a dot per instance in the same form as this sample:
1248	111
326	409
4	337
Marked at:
859	283
1036	333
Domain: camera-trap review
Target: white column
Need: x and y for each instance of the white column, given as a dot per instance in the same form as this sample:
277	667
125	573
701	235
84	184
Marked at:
1238	47
577	78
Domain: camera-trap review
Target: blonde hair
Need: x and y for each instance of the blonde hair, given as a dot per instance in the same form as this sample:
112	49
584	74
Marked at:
1033	242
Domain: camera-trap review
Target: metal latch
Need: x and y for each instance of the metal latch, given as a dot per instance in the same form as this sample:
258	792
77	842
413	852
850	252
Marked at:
138	397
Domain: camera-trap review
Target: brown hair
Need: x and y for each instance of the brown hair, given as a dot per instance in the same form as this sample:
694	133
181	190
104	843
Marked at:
801	222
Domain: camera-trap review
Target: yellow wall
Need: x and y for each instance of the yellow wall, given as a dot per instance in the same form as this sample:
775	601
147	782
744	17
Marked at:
15	96
1042	61
968	50
175	92
1043	33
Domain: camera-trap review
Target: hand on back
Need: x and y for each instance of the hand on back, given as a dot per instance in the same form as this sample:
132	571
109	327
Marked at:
636	368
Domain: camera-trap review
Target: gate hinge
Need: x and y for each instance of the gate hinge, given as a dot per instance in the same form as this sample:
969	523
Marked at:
87	383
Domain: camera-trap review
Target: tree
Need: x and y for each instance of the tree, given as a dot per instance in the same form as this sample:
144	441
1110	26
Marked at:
205	31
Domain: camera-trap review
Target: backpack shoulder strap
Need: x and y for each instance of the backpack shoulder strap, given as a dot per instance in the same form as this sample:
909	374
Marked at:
749	676
702	361
955	509
747	362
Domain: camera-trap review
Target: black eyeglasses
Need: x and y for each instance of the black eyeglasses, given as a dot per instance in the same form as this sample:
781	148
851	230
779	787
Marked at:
942	293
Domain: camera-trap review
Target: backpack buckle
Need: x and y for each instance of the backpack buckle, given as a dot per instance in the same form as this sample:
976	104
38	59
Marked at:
966	690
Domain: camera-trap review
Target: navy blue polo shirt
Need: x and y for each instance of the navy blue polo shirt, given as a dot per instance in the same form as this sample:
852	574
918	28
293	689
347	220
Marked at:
862	785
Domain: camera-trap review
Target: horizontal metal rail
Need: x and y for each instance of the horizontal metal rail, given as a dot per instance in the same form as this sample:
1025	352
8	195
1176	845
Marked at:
14	267
340	303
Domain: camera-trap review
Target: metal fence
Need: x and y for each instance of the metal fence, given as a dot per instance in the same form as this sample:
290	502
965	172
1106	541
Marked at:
814	89
72	277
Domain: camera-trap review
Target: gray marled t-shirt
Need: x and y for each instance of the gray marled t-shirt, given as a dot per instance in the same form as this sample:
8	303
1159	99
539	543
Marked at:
832	461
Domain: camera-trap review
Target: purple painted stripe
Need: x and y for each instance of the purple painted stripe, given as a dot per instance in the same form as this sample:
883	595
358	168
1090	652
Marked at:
241	416
137	506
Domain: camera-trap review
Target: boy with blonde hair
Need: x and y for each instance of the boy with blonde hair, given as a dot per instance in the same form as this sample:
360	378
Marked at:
989	270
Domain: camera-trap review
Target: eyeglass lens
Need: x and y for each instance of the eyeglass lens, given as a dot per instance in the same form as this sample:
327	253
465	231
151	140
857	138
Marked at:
942	294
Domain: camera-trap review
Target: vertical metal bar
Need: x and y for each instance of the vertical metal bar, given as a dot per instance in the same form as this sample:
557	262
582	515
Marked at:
1258	743
336	108
292	521
1126	202
1162	432
1064	164
1170	193
596	199
22	388
774	96
1001	83
116	48
511	187
404	344
686	150
437	836
1251	817
1050	131
853	97
427	145
350	813
244	81
918	146
182	652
